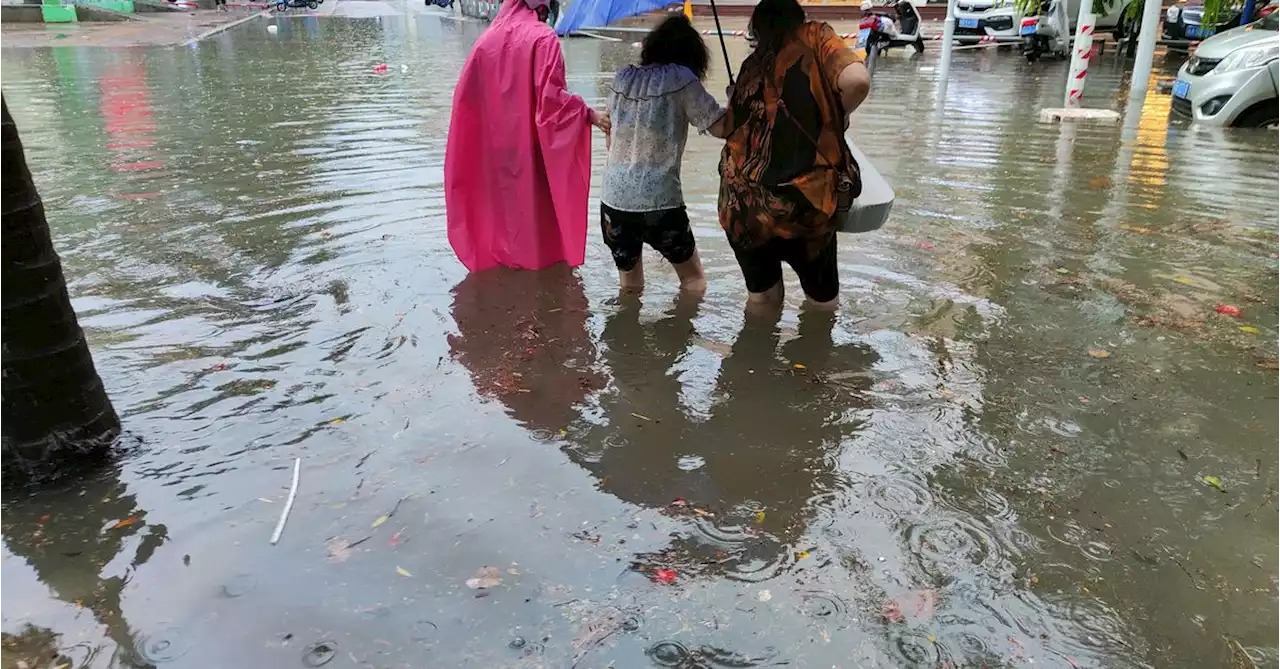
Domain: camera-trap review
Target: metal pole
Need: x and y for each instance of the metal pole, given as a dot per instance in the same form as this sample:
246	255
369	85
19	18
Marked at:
1080	54
723	49
948	35
1146	49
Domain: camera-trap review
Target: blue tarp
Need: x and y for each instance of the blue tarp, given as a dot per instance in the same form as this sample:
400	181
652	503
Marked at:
599	13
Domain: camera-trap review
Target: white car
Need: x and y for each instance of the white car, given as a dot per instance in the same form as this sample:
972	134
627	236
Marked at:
1001	18
1231	78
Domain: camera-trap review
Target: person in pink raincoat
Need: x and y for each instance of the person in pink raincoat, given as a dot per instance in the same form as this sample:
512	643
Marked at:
518	159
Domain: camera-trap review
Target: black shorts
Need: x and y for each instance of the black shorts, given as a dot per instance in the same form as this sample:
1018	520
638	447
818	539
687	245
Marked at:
626	233
762	267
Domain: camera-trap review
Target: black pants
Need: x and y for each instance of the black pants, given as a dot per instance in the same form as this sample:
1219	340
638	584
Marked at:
762	267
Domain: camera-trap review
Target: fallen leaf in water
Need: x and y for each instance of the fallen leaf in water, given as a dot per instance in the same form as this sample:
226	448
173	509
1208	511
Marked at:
764	596
339	550
402	571
1184	281
798	366
926	246
486	577
664	576
395	539
704	514
800	555
1250	329
124	522
918	605
1135	228
641	416
759	518
1099	353
381	520
679	501
1034	579
1062	270
1213	482
1228	310
933	639
337	421
45	518
1100	182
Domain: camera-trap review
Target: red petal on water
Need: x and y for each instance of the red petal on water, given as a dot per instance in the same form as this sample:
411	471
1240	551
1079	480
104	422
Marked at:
1228	310
665	576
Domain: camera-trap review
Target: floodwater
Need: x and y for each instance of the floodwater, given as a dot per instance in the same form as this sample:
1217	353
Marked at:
947	473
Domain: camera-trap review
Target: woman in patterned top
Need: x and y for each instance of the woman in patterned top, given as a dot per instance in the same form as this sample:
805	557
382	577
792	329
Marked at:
652	106
778	172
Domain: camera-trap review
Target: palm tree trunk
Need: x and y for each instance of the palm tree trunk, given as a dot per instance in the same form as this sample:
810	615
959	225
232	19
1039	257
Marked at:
55	416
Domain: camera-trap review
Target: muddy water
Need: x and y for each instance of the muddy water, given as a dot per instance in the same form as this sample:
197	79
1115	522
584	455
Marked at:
940	475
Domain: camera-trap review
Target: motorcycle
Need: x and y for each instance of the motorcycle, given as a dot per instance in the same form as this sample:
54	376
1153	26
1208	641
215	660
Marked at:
1048	32
443	4
283	5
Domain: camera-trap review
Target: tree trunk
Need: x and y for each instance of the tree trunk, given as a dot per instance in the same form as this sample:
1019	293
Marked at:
56	417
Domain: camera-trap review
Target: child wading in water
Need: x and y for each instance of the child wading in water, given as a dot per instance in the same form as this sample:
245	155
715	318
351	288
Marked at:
652	106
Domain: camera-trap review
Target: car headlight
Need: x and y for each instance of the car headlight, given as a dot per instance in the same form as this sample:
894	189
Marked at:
1171	14
1249	57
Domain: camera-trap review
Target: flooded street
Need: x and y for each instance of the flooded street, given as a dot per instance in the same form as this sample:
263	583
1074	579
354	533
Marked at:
994	455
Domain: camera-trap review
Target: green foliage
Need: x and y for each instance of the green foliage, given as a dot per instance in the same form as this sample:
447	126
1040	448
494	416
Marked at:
1218	10
1099	6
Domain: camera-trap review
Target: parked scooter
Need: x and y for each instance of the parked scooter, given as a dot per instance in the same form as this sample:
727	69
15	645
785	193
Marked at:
906	18
282	5
1047	33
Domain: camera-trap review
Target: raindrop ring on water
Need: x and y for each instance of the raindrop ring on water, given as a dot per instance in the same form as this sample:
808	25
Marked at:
946	544
163	646
900	495
822	604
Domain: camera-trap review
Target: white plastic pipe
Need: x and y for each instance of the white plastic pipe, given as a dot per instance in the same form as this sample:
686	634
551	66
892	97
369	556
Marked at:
1146	50
1081	52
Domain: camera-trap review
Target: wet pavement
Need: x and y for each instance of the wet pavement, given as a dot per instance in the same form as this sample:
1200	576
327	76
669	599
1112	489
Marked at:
1026	439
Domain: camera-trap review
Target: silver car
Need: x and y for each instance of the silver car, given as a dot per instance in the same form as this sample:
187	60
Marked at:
1231	78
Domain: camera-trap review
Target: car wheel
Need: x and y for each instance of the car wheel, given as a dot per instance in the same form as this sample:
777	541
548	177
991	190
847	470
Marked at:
1262	115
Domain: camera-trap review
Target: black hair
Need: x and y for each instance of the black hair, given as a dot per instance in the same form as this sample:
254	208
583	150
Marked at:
675	41
772	22
543	11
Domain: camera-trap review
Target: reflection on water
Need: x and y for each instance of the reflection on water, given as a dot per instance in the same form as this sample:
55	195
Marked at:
940	475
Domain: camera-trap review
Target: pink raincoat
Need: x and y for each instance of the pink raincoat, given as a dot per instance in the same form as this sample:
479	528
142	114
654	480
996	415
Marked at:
518	161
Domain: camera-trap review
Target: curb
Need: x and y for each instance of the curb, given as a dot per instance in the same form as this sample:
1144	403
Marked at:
227	26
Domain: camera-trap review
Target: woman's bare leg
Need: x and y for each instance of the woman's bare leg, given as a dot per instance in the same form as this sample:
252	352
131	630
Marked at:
692	278
766	302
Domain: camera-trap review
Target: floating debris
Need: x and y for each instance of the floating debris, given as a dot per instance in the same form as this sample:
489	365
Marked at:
288	503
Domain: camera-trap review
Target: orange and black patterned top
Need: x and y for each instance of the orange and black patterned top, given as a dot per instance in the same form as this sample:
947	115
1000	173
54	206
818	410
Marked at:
773	182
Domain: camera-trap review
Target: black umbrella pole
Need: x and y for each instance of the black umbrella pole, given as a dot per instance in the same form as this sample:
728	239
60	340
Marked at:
723	49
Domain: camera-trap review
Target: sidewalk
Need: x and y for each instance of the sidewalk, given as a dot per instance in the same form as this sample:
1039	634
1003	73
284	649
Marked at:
169	29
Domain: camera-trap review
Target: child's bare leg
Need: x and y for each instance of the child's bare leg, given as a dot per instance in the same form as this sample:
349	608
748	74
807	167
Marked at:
692	278
632	280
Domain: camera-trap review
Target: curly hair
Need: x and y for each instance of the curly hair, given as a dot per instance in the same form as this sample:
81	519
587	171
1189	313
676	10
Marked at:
675	41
